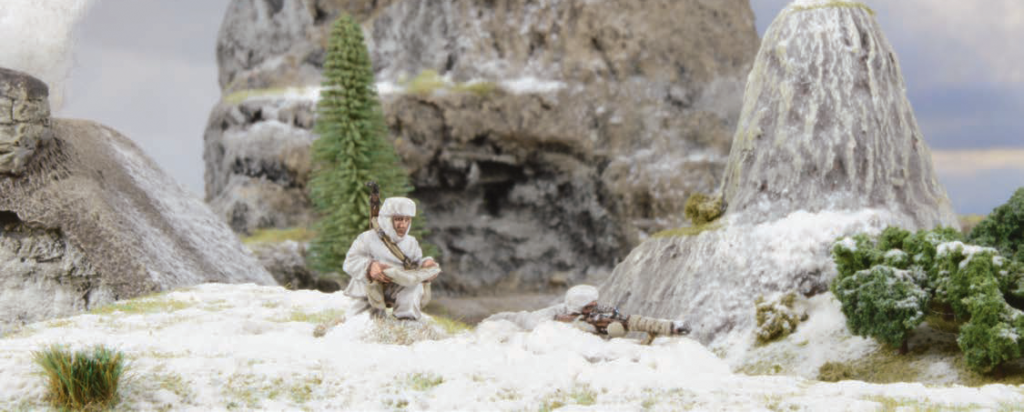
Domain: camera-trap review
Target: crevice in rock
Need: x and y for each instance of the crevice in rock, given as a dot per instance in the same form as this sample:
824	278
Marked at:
275	6
8	217
450	63
319	14
495	196
604	57
262	169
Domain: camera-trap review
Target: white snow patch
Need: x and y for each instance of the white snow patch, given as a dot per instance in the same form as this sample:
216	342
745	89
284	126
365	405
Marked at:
525	85
233	346
895	253
967	250
823	337
848	243
388	88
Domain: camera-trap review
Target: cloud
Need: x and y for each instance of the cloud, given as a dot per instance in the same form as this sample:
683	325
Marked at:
967	163
955	41
971	39
983	191
37	39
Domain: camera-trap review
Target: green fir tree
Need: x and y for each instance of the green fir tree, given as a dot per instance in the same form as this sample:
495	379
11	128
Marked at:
352	149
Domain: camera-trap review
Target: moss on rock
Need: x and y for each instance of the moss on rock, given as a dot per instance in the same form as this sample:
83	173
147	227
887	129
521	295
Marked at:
701	208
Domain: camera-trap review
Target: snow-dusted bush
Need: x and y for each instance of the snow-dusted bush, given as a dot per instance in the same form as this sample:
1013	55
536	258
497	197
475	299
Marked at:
1003	229
777	317
973	289
923	246
886	285
853	254
962	270
884	302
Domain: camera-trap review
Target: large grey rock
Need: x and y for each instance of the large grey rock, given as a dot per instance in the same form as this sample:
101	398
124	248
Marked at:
286	261
827	145
603	118
24	119
257	162
276	43
91	219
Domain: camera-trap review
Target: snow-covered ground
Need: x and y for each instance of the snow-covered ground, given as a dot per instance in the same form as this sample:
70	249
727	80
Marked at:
218	347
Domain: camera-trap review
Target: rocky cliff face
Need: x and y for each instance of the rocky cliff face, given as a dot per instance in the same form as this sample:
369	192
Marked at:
557	135
826	145
87	218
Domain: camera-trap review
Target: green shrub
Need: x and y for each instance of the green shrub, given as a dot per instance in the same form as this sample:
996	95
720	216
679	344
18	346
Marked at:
1003	229
853	254
990	337
923	246
82	380
887	286
962	270
884	302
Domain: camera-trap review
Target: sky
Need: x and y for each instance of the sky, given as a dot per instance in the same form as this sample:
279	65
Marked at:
148	69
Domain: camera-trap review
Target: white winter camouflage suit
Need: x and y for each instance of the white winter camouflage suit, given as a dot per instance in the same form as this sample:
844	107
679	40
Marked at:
368	248
575	299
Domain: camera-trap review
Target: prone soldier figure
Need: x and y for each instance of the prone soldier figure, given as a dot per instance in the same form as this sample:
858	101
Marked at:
581	309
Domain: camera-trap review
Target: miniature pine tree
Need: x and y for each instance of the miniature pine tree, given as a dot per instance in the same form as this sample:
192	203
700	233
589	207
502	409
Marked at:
351	149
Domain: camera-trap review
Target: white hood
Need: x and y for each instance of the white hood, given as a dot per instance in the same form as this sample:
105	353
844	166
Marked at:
395	206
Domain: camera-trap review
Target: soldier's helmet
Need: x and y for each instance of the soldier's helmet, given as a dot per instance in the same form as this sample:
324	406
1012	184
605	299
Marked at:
579	296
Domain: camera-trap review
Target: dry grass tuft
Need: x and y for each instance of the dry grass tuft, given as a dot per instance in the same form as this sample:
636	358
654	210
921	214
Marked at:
84	380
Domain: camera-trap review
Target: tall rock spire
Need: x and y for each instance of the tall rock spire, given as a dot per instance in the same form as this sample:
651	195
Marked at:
826	123
826	146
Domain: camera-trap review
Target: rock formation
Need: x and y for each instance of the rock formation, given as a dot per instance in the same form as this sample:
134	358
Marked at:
827	145
826	104
286	262
557	135
86	218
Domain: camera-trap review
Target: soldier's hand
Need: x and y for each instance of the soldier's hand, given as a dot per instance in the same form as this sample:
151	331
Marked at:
601	322
429	263
377	272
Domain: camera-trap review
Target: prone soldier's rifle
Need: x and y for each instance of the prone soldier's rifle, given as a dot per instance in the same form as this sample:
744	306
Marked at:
608	321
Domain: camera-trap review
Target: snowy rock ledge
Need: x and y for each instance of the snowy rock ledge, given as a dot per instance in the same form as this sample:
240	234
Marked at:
713	278
219	347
